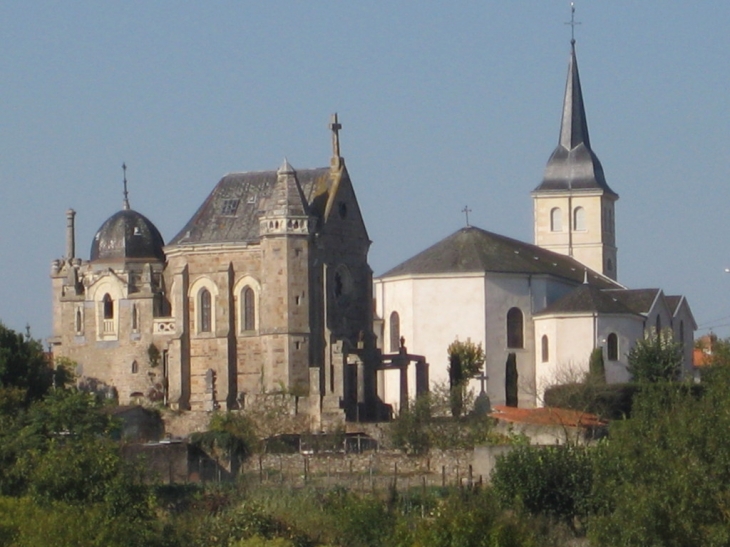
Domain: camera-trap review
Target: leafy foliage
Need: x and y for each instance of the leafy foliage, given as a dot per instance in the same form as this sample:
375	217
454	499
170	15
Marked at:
655	358
596	367
555	481
465	362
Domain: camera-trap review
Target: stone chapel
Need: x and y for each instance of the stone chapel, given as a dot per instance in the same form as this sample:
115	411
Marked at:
266	289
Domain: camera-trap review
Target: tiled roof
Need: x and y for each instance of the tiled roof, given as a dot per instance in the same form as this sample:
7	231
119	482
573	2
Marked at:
473	250
546	416
231	212
587	298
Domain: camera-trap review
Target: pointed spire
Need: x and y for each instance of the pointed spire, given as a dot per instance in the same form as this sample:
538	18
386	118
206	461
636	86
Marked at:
286	168
125	203
574	127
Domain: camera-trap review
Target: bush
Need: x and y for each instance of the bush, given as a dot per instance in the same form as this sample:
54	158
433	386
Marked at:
610	402
555	481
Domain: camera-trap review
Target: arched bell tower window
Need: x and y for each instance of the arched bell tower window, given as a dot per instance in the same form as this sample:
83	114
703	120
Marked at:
545	349
108	304
612	347
135	318
79	320
556	220
394	331
515	329
579	219
205	311
248	297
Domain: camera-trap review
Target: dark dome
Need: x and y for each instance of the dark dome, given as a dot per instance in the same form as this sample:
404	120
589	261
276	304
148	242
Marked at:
127	234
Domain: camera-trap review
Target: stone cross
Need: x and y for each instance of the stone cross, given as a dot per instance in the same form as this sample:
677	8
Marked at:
483	378
335	127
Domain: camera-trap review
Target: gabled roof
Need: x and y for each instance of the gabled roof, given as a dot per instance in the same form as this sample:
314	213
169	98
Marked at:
231	212
639	301
588	299
573	165
473	250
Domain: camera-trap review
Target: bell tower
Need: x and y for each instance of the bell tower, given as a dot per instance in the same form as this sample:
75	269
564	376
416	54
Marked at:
573	205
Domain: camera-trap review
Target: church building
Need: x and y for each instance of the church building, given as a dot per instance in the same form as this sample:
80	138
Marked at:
266	289
543	307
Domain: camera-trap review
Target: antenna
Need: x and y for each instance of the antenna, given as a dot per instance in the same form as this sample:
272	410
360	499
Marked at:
125	203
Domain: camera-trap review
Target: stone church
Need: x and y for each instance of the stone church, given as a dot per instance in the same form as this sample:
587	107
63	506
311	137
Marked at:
544	307
266	289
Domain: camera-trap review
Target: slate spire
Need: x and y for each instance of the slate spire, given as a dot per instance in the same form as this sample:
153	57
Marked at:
573	165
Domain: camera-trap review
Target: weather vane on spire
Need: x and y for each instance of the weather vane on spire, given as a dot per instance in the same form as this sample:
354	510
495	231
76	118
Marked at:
125	203
572	23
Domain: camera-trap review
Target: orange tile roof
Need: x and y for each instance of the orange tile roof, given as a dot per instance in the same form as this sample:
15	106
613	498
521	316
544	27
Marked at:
546	416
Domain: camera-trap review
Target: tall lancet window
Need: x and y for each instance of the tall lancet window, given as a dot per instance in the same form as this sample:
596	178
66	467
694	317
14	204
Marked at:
205	313
556	220
249	309
394	331
108	304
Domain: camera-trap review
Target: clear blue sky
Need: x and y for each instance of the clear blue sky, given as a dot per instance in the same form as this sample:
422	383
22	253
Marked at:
443	104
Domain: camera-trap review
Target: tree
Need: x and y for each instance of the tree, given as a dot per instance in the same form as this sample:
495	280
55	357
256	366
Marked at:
655	358
596	367
662	478
510	381
465	362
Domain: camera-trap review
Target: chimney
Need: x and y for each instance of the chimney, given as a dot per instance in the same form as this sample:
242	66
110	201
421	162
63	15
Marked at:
70	237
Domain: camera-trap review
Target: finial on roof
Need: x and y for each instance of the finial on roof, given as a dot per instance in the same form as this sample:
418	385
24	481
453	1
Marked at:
572	23
466	211
335	127
285	167
125	203
585	276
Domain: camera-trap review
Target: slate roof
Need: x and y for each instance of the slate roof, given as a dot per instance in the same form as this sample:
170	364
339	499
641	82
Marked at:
637	300
673	302
473	250
126	235
573	164
230	214
588	299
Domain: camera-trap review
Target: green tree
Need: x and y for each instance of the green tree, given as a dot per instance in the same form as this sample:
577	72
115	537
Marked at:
465	362
663	476
555	481
655	358
596	367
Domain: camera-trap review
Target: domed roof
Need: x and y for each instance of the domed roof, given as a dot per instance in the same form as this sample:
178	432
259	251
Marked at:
127	235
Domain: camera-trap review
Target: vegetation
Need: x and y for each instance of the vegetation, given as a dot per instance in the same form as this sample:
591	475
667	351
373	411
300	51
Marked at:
656	358
465	362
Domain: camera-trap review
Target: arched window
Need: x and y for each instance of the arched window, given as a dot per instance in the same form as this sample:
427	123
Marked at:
609	265
681	334
556	220
108	306
515	326
79	321
394	331
135	318
248	310
579	219
204	313
545	349
135	367
612	347
658	325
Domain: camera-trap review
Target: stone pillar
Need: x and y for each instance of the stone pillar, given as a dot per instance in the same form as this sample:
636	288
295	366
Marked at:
421	378
70	235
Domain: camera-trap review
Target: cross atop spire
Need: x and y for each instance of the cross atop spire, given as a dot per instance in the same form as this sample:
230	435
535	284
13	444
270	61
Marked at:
335	127
572	23
125	203
466	211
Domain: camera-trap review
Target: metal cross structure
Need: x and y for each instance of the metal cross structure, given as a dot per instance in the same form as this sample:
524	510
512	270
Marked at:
335	127
466	211
125	203
572	23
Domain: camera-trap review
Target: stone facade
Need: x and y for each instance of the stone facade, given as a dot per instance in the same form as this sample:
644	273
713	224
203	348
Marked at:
266	289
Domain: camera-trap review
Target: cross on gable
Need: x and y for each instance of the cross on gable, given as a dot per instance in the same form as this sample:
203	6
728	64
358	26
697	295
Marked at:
335	127
466	211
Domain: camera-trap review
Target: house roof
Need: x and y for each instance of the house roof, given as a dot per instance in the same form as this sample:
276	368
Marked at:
232	210
588	299
637	300
546	416
473	250
573	165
